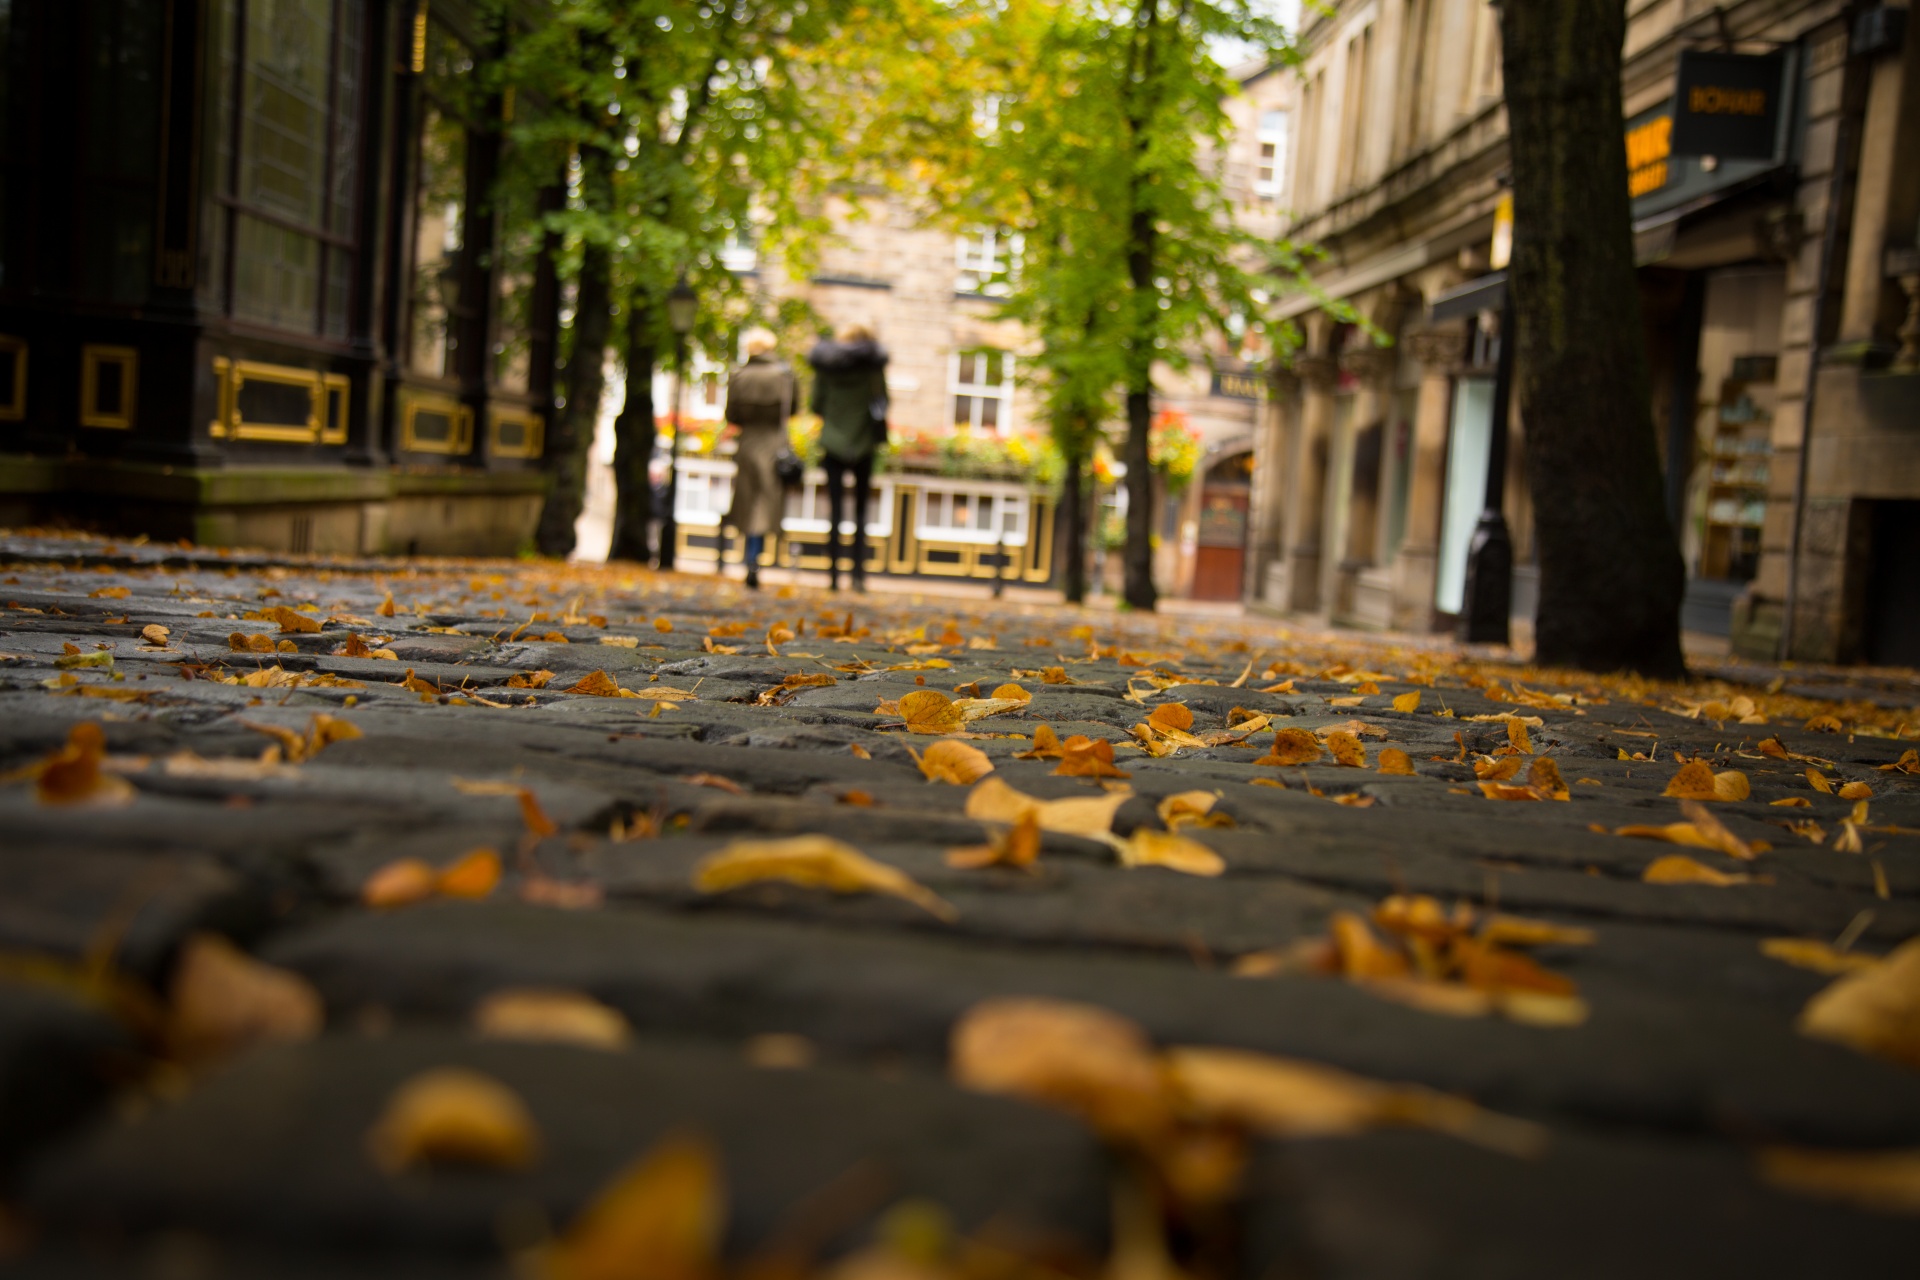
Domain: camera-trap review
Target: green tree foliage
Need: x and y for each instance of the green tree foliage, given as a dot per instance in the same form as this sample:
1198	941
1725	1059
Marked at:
678	126
1092	130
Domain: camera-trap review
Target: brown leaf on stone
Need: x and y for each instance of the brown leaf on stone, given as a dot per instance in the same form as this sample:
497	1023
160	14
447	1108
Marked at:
1346	749
662	1218
240	642
1517	736
1088	758
812	861
596	683
1016	846
1077	1057
1407	703
292	620
930	711
1396	763
717	782
953	762
474	875
1909	762
1886	1181
1056	675
224	1000
663	626
385	609
1171	715
1716	833
1191	809
1677	868
529	680
1291	747
992	800
1046	745
1875	1010
859	752
532	816
454	1116
155	635
1012	691
551	1014
1147	847
1504	769
1543	775
1816	955
73	775
399	883
1824	724
1358	953
1856	791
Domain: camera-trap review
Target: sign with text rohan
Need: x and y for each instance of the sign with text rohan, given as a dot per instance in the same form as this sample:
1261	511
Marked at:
1727	105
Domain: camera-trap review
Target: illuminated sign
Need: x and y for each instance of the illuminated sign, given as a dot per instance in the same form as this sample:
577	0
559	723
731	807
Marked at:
1237	386
1727	105
1649	148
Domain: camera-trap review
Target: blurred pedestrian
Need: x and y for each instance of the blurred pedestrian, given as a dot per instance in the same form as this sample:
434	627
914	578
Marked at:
850	395
760	400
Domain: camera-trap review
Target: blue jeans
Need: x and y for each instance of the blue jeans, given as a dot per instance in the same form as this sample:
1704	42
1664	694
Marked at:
756	544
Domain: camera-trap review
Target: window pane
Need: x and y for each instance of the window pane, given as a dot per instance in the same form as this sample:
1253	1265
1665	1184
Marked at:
339	282
119	146
276	275
967	361
520	235
221	17
990	414
438	235
283	120
346	125
963	411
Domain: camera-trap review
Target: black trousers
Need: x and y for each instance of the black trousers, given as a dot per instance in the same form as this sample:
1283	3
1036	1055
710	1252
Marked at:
837	475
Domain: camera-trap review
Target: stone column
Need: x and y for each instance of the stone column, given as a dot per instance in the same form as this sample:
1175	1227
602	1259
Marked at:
1307	484
1416	565
1280	410
1372	368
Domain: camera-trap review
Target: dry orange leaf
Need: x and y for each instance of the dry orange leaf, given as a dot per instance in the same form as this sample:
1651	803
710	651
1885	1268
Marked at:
1011	692
1885	1181
73	776
1397	763
1147	847
1818	781
529	680
1517	737
385	608
1677	868
813	861
992	800
224	1000
290	620
859	752
1016	846
1191	809
1856	791
953	762
930	711
1046	745
454	1116
662	625
1875	1009
1909	762
155	635
552	1014
474	875
1056	675
662	1218
1543	775
1816	955
398	883
1407	702
1171	715
1347	749
1078	1057
1088	758
1505	769
597	683
1696	781
1290	747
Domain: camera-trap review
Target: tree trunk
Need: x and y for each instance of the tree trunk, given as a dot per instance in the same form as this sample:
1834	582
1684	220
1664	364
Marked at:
1611	576
586	375
1142	246
633	437
1073	527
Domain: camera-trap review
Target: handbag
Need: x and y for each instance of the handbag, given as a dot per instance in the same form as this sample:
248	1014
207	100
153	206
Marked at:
788	468
877	420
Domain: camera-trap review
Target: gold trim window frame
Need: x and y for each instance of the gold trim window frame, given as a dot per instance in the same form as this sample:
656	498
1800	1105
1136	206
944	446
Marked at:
460	438
533	428
15	349
92	357
325	391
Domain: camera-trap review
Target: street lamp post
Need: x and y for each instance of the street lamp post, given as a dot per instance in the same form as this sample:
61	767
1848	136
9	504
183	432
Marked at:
1488	600
683	305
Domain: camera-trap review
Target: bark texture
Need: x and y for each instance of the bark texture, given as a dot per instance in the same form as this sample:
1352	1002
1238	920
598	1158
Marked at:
633	435
586	376
1143	243
1611	576
1073	529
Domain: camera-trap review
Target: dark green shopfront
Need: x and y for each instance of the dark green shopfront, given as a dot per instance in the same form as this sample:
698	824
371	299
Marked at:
262	282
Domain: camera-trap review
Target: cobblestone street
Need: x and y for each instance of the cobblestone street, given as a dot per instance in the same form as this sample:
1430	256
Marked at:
1308	958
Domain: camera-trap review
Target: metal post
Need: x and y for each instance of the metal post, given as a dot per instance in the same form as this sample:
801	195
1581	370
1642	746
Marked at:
669	520
1489	591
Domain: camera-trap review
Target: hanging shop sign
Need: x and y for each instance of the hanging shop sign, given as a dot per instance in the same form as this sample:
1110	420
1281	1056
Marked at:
1236	385
1727	105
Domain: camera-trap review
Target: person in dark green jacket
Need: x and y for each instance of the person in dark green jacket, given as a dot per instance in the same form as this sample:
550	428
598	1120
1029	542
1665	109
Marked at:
850	396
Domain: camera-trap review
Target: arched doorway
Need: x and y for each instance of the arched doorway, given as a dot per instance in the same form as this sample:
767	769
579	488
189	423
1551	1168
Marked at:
1220	547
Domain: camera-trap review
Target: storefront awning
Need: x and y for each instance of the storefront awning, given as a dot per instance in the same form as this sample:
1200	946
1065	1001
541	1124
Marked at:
1487	293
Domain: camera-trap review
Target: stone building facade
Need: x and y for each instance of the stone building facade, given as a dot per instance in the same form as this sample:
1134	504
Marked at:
1778	291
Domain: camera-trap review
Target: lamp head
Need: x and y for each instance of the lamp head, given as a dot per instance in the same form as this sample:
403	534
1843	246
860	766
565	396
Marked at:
683	304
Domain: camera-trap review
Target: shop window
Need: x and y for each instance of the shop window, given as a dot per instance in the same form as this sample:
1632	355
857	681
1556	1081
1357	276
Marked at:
983	390
515	266
440	206
1271	154
285	102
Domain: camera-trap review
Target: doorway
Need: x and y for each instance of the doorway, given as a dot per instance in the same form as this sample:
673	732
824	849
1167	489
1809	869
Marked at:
1220	551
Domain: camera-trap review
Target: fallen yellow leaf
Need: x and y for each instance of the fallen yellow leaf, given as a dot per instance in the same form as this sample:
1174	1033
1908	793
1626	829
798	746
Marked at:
1147	847
930	711
1014	846
993	800
1887	1181
1677	868
1856	791
813	861
1291	747
954	762
551	1014
1078	1057
224	1000
662	1218
454	1116
1407	702
1171	715
1816	955
1191	809
1875	1009
474	875
73	776
1396	763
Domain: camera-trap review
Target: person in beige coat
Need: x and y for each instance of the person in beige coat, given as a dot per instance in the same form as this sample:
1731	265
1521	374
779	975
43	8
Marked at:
760	400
